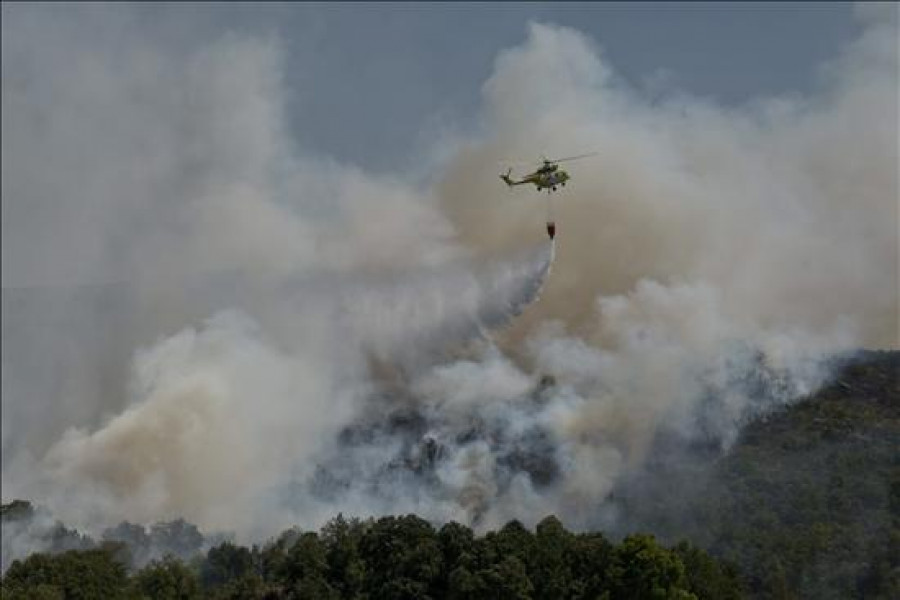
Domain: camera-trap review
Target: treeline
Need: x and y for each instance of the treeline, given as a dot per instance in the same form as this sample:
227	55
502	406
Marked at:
389	558
27	529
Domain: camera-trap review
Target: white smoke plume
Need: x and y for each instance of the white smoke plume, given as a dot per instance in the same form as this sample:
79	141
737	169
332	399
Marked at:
273	337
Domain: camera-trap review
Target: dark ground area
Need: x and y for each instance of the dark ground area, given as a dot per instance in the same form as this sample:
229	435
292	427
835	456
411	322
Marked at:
807	502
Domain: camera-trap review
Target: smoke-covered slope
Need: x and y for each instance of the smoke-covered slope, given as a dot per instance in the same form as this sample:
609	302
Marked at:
806	502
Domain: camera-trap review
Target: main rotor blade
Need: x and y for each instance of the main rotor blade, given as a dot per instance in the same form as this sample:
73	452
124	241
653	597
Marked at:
559	160
518	165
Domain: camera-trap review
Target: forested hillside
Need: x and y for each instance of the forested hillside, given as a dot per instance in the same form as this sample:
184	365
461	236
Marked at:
806	504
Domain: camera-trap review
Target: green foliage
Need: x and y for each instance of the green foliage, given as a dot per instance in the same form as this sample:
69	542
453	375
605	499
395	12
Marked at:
273	557
346	568
397	558
707	578
41	591
457	544
551	560
305	569
226	563
74	575
461	583
177	537
589	557
166	579
807	501
403	558
506	580
640	568
248	587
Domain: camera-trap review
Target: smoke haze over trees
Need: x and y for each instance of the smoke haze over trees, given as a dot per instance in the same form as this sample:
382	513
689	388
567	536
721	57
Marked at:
805	504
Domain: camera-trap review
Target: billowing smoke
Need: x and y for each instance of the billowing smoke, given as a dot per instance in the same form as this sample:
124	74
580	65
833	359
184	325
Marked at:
203	320
787	206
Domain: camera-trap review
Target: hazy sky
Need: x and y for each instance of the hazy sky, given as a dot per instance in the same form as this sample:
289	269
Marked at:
420	63
371	83
383	85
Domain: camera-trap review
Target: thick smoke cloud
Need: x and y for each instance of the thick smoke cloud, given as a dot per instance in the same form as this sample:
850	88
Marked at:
196	202
788	205
148	166
708	257
270	337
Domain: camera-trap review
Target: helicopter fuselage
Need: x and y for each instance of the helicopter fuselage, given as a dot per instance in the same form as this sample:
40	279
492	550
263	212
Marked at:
547	179
542	179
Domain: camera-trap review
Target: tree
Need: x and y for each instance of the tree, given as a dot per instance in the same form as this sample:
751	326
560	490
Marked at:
346	568
166	579
706	577
273	556
513	539
251	586
134	537
176	537
75	574
41	591
462	584
507	580
224	563
458	558
642	569
551	564
402	556
305	569
591	553
457	544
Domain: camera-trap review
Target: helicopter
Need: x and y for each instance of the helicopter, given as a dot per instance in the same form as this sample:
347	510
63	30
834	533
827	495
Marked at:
546	177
